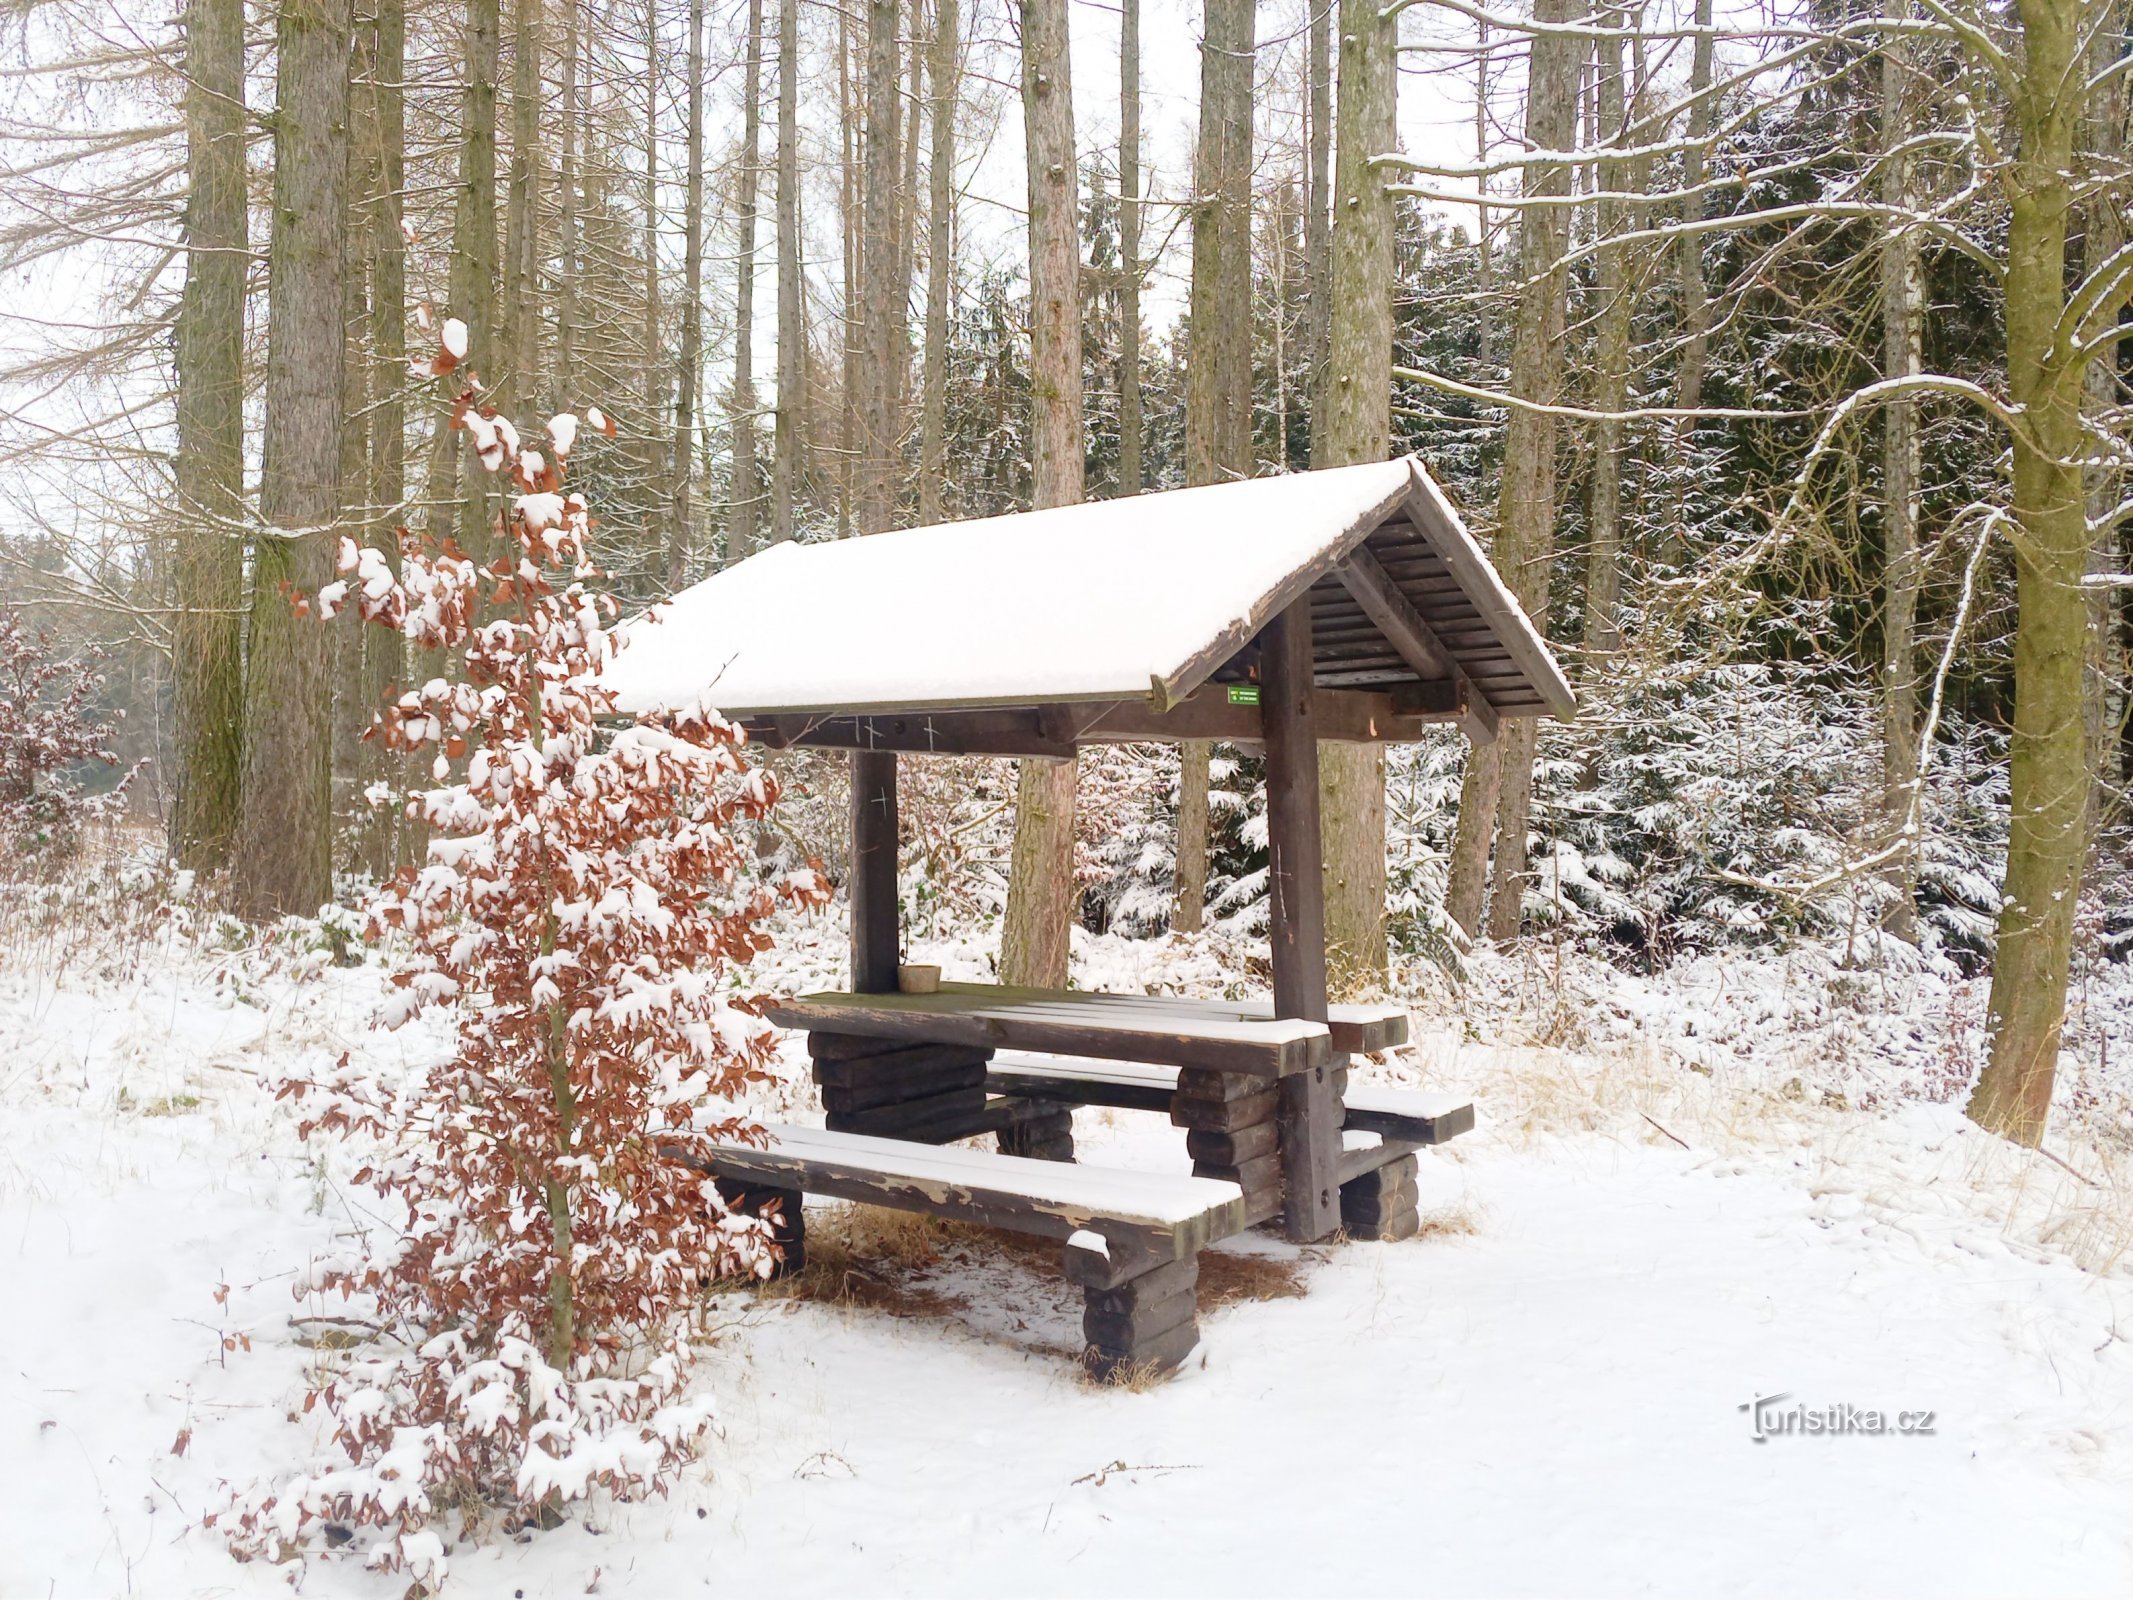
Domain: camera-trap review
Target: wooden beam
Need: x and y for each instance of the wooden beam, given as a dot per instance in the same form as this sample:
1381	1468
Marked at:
1053	732
1411	635
1439	524
876	933
1309	1112
947	733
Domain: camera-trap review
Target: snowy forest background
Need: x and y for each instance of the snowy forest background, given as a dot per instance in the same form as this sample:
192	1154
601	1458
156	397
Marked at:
1772	350
1767	517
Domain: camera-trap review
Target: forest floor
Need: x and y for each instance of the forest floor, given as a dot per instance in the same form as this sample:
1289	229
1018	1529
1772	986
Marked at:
1742	1178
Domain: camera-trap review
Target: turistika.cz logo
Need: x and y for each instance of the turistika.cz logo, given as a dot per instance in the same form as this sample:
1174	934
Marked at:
1770	1417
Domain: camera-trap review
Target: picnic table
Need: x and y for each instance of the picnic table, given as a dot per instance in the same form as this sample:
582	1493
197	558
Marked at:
1349	605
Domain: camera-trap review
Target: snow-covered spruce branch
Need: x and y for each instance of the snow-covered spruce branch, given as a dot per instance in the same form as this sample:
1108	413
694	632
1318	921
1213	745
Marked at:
1910	830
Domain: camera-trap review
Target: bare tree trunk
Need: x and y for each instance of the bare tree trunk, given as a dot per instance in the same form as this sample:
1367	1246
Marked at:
384	650
1318	182
747	487
792	337
1901	357
520	390
880	305
681	537
345	643
472	286
281	864
207	633
855	247
563	395
2103	234
1040	891
1615	279
654	387
1355	425
1499	778
2048	779
1694	314
1218	379
1132	425
945	73
1484	263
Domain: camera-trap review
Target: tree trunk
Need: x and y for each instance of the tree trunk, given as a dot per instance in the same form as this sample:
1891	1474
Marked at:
2048	780
1132	426
2104	233
281	864
1695	315
855	246
1355	425
1525	538
880	305
653	385
519	393
1484	264
207	663
747	489
1615	280
472	286
345	642
1318	181
563	396
384	649
681	537
1041	891
1901	357
792	337
1218	383
944	74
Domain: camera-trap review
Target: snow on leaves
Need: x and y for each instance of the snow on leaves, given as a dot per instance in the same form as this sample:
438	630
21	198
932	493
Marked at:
47	729
581	910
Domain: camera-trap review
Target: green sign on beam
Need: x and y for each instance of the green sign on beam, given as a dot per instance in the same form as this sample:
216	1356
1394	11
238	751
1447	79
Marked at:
1244	694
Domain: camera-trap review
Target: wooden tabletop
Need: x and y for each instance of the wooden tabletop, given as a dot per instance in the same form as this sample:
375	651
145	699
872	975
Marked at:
1224	1036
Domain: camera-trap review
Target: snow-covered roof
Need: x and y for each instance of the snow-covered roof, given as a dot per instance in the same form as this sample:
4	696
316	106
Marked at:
1113	600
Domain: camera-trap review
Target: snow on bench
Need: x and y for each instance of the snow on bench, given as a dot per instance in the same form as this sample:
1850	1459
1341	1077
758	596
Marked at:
1151	1215
1406	1115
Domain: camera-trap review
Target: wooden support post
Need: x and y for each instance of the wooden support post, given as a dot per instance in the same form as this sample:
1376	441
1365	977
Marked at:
1309	1114
876	934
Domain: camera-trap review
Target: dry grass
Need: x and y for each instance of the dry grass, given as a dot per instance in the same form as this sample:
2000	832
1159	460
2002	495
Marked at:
905	1264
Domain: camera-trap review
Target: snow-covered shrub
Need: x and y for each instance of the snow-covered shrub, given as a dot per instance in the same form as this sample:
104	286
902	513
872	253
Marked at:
47	732
1662	813
580	911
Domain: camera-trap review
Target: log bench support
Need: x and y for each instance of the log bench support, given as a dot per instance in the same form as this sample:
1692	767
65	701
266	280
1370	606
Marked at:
1137	1320
1233	1132
1382	1203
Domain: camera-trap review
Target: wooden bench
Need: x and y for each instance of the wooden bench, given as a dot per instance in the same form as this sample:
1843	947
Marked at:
1406	1115
1381	1131
1132	1238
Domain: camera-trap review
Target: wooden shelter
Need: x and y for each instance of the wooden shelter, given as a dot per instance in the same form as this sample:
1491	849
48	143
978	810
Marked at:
1347	605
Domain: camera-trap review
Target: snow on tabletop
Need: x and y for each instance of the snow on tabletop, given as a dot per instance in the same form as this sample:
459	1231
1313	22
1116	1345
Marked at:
1087	602
1082	1011
1160	1198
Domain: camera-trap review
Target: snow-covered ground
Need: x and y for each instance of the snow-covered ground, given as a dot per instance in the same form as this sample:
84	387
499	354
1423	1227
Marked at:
1540	1395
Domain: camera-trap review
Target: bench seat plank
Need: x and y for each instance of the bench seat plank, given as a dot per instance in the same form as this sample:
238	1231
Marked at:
1423	1117
1108	1027
1166	1215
